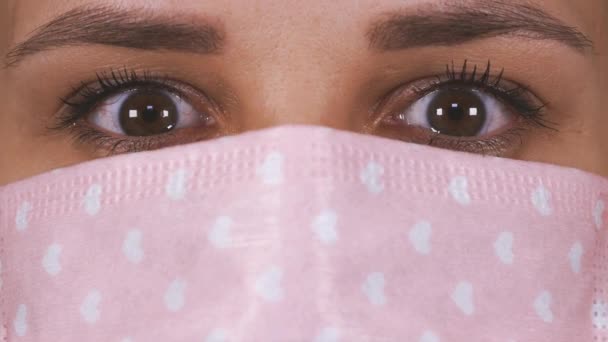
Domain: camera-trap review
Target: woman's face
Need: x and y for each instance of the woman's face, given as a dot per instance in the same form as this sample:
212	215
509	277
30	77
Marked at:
517	79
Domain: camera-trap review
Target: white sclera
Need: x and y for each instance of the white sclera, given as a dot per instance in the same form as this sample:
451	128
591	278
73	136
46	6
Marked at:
497	115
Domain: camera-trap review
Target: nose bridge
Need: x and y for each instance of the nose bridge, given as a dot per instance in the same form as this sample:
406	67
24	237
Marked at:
292	90
294	73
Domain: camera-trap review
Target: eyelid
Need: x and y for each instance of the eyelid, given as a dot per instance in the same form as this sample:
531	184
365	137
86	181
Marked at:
85	97
525	105
528	103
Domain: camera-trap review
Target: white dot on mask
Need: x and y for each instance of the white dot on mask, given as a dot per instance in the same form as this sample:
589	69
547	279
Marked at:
542	306
271	170
420	237
459	190
176	185
462	296
328	334
220	233
20	322
92	200
429	336
324	227
217	335
22	217
541	199
50	261
373	288
175	295
268	285
503	248
371	177
598	214
132	246
90	308
575	255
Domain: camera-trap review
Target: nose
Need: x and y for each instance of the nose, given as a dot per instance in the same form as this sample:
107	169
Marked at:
296	86
295	73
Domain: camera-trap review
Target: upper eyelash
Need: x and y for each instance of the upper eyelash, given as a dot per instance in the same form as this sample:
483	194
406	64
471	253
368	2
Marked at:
85	97
110	81
516	97
88	95
452	75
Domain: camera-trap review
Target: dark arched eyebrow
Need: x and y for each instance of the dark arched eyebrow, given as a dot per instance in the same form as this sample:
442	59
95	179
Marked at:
129	28
464	21
446	25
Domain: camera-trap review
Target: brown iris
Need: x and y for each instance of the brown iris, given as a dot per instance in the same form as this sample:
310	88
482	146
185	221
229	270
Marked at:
146	113
457	112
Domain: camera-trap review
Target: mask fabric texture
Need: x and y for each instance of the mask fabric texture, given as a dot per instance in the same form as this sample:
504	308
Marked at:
302	233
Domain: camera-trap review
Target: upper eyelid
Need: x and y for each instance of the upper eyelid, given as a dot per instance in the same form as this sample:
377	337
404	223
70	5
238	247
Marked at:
493	82
111	84
428	84
491	87
183	89
86	97
498	82
122	79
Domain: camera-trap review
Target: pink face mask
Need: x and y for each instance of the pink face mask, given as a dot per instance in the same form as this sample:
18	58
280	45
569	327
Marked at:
302	233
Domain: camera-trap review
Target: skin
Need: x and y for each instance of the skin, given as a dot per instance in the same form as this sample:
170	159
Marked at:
304	62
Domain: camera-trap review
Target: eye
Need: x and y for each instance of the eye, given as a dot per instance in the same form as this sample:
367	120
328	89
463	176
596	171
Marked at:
464	111
458	112
123	112
148	112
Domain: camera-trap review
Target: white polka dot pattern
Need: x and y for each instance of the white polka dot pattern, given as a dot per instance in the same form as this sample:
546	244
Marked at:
20	322
268	285
21	219
298	234
132	246
503	246
51	262
92	199
463	297
89	309
174	296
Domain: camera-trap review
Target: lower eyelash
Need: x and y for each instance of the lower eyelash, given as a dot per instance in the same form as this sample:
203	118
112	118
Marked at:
114	145
84	99
114	81
533	116
85	135
498	145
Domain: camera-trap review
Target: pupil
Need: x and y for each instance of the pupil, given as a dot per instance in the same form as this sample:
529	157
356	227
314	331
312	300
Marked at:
457	112
146	113
149	115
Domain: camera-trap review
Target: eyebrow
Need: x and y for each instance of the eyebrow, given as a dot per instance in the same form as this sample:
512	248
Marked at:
144	30
129	28
467	21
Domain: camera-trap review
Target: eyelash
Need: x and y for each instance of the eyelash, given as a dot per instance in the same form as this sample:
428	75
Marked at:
518	98
87	96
